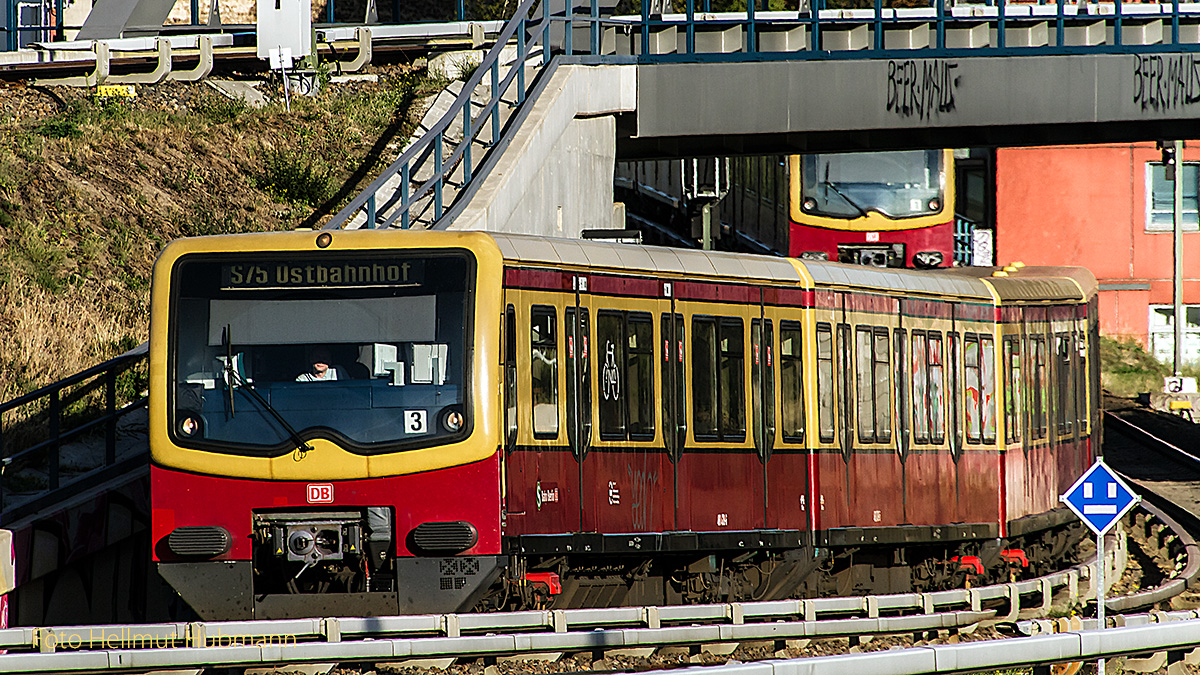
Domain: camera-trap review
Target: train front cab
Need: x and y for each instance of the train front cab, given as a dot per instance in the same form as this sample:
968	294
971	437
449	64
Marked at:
375	493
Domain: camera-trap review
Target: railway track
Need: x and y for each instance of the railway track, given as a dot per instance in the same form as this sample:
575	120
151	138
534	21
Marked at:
1163	555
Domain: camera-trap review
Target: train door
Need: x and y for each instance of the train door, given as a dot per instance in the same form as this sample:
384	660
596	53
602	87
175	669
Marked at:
762	384
789	492
843	395
579	386
901	406
674	399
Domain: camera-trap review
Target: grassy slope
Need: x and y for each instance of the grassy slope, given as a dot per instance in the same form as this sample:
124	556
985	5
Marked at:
90	191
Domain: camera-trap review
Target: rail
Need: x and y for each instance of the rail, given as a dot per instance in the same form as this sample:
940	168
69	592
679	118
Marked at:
45	408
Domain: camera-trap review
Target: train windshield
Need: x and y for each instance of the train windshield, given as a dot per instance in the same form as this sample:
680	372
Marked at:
898	184
369	350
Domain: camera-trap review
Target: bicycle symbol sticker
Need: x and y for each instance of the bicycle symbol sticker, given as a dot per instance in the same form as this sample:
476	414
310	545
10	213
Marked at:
611	377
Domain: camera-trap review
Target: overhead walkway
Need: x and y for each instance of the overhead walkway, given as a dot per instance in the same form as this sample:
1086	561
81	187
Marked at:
528	142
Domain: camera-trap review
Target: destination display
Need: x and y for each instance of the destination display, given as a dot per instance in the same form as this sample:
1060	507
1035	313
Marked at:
289	274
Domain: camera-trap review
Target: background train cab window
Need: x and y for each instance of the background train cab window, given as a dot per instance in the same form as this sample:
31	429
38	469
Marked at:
393	328
718	376
626	343
543	370
791	381
873	380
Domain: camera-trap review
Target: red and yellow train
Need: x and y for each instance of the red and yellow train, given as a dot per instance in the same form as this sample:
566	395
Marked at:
515	421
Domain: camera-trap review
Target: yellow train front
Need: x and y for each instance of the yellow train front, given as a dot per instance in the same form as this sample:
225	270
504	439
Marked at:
320	424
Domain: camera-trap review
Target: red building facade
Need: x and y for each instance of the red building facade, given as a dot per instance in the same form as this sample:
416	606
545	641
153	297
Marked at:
1108	208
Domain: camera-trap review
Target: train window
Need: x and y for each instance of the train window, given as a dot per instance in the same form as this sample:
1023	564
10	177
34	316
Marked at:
901	385
883	387
543	367
733	380
579	390
640	361
952	387
673	384
704	377
972	390
1066	374
510	376
987	399
610	336
937	390
762	383
865	380
825	381
1039	403
791	381
1081	383
1012	390
920	382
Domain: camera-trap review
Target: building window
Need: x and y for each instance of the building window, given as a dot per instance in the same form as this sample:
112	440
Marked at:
1160	200
1162	333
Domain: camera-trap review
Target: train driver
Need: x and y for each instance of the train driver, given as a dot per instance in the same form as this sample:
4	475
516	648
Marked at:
321	370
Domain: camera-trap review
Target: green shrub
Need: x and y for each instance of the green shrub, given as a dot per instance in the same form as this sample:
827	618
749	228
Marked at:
221	109
295	176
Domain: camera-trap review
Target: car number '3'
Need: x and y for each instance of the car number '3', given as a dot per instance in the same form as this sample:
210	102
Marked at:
415	422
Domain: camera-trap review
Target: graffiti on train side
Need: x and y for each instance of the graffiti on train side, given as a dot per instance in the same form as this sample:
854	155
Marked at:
922	89
1166	82
643	483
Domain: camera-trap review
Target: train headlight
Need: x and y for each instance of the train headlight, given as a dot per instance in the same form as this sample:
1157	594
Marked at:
935	204
452	420
189	426
809	204
814	255
927	259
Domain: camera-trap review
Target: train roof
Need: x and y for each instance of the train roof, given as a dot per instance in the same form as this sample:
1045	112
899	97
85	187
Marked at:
654	259
1027	283
895	280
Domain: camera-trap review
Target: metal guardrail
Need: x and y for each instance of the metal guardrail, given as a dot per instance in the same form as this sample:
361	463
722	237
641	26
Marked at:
46	453
152	646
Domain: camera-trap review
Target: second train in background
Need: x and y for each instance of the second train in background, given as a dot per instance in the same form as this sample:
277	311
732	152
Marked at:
886	209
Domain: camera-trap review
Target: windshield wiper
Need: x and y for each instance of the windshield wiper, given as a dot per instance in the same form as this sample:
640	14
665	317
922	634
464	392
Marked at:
834	186
235	379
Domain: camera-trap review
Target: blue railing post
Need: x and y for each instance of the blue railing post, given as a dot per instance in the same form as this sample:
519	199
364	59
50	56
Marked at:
545	32
646	27
372	216
437	175
691	26
751	41
110	409
1174	22
1060	31
941	23
814	15
329	12
462	10
878	25
569	35
1000	23
496	98
55	412
522	54
59	24
405	221
595	27
468	141
195	12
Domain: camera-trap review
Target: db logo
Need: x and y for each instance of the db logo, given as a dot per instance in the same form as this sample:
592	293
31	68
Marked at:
320	493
